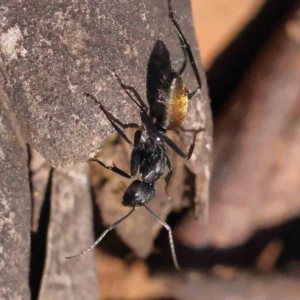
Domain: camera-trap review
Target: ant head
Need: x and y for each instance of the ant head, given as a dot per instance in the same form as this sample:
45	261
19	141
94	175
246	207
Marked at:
138	194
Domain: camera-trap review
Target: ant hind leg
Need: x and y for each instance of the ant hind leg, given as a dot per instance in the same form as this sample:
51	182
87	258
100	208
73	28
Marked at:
187	52
177	150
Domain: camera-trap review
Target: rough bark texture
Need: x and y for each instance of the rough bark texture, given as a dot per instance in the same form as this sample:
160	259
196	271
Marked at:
52	54
69	232
14	213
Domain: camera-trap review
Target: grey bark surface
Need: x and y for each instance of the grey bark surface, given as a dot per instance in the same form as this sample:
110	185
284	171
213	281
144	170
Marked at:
70	231
14	213
52	53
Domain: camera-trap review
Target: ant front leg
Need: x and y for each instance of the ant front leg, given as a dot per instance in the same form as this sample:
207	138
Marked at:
139	102
134	161
114	121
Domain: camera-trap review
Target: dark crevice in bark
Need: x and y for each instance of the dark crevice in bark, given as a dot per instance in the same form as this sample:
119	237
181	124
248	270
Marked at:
39	241
30	173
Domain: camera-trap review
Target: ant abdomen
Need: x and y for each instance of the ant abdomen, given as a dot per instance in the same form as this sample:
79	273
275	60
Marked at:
176	103
170	108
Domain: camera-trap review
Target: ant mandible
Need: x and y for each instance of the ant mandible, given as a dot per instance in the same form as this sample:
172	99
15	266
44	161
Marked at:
149	154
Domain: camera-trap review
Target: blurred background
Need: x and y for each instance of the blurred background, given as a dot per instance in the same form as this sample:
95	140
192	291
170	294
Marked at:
249	247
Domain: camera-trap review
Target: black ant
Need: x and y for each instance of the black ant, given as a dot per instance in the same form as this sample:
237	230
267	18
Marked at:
167	111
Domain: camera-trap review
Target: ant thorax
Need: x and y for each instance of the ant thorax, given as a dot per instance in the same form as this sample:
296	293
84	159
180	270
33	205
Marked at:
145	136
153	159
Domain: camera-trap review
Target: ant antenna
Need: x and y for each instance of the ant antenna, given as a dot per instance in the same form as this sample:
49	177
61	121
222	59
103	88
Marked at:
103	235
175	261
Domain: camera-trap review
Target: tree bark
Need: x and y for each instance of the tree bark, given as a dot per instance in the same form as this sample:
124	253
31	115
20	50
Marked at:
14	213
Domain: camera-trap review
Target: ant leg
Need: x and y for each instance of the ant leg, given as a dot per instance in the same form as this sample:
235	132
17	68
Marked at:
183	65
123	126
187	49
134	161
112	120
111	227
127	88
169	175
176	149
194	93
182	69
175	261
114	168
